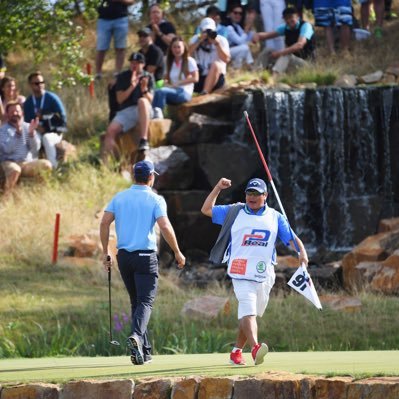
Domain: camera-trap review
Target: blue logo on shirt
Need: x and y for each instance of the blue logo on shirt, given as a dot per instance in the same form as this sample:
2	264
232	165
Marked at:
256	238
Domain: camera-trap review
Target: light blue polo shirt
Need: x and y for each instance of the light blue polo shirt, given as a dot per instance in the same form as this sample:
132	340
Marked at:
306	31
136	211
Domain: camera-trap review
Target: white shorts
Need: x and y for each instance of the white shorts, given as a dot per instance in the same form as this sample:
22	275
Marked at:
252	297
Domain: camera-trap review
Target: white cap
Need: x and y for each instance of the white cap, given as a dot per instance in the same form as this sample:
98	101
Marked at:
207	23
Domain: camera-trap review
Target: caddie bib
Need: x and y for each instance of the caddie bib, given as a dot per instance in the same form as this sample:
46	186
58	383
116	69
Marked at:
252	246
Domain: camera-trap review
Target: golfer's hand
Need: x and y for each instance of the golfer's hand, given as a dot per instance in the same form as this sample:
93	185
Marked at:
180	259
223	183
107	262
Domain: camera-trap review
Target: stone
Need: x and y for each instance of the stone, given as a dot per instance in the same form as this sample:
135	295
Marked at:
31	391
373	388
386	278
372	77
201	129
339	302
388	225
346	81
65	151
174	168
205	307
97	389
248	388
82	246
332	388
153	389
374	248
389	79
210	156
186	388
281	385
216	388
393	69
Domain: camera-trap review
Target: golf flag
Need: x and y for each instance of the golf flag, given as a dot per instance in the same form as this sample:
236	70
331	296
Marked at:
302	282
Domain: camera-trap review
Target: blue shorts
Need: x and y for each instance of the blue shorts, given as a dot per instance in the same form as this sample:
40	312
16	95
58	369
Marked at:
333	16
106	28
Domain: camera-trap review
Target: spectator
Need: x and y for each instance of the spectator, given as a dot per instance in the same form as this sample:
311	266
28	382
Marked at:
212	53
215	13
331	13
48	107
271	11
239	37
154	59
112	22
163	31
378	6
134	94
19	146
3	67
299	42
8	92
181	74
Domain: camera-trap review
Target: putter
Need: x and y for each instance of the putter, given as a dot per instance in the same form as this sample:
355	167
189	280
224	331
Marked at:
111	341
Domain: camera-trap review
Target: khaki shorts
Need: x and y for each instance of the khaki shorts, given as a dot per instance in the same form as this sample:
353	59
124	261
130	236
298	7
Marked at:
26	169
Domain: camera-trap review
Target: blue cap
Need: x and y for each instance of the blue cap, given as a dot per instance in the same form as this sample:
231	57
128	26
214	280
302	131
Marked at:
144	169
257	185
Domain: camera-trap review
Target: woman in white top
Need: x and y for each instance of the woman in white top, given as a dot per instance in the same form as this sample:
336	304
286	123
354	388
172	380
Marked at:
8	92
181	74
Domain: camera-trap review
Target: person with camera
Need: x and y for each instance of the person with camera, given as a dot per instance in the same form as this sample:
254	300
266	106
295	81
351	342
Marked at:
134	94
212	54
48	107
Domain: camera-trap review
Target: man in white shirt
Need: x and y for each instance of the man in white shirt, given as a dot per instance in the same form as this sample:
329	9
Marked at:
212	53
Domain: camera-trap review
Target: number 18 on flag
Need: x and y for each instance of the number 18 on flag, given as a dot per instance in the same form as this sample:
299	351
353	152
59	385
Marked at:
302	282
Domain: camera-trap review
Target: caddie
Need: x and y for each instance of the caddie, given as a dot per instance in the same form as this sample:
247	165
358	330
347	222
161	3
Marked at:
247	242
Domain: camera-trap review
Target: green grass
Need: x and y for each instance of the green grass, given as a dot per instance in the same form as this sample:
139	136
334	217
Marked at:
354	364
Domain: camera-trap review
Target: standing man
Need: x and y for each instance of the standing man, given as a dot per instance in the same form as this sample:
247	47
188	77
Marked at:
162	31
249	232
135	212
48	107
112	22
19	146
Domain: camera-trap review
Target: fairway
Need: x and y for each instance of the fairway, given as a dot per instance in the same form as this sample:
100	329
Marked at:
215	364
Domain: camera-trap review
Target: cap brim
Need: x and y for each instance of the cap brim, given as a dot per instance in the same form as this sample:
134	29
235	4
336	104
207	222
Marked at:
259	190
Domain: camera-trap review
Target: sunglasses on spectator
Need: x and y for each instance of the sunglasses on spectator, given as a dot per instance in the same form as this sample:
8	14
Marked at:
237	12
39	83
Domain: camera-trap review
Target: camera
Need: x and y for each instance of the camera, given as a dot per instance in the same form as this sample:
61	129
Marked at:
53	123
211	34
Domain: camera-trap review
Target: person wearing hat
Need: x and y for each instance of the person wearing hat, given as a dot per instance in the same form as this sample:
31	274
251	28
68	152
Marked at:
134	94
154	59
247	242
212	54
135	212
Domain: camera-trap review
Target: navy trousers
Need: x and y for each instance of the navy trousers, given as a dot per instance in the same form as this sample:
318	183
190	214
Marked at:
139	271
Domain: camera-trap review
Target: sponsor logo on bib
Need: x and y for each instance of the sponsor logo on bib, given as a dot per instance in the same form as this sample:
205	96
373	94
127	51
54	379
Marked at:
256	238
261	267
239	266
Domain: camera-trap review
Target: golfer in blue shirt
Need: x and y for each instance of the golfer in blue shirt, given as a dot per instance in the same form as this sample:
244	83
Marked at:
135	212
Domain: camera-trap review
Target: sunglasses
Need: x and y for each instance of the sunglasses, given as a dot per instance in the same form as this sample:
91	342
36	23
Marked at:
253	193
39	83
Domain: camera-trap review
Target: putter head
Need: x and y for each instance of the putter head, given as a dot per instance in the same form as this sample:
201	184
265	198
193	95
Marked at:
116	343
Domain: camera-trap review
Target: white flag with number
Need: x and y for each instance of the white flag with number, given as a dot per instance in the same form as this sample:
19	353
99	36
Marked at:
302	282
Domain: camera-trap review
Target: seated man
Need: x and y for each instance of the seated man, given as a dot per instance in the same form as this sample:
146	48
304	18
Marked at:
19	146
299	44
212	53
154	59
48	107
239	38
134	94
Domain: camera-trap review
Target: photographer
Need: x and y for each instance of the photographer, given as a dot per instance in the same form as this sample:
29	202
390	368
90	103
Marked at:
48	107
212	54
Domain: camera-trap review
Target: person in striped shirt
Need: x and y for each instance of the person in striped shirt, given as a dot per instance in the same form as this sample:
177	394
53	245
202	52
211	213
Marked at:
19	147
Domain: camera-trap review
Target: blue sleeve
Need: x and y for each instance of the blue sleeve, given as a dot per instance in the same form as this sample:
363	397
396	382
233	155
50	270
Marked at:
57	105
219	213
285	233
306	31
29	112
111	206
160	208
281	30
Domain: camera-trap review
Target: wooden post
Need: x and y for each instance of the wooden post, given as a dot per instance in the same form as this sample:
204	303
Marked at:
56	234
91	84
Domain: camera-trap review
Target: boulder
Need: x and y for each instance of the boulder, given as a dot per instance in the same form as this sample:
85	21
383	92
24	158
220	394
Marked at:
393	69
346	81
82	246
95	389
154	389
65	151
374	248
206	307
339	302
210	156
31	391
375	387
388	225
332	388
386	278
388	79
372	77
174	168
186	388
216	388
201	129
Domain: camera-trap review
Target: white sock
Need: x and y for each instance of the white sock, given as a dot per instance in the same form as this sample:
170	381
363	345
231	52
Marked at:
236	349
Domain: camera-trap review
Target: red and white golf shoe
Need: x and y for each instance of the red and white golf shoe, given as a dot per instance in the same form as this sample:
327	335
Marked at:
236	358
259	351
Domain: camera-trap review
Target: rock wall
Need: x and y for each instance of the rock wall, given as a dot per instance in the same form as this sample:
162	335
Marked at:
266	386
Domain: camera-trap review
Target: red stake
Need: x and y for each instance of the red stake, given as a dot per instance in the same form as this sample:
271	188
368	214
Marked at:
56	234
91	84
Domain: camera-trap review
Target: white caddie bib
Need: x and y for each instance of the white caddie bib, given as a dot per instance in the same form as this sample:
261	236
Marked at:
252	246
